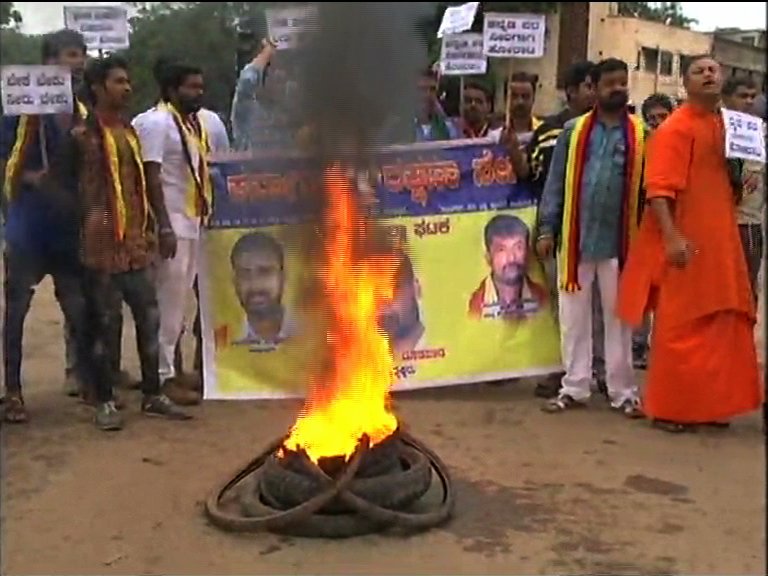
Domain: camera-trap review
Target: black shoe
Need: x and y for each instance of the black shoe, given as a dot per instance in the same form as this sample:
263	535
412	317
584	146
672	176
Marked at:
107	417
163	407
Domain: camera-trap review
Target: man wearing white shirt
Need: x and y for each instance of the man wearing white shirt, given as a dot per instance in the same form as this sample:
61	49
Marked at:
175	142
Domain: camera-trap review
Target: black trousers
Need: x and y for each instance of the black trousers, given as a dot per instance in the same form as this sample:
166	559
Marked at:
752	243
24	270
105	293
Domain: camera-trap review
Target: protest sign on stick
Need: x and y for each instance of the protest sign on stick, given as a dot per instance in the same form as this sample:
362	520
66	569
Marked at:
287	27
458	19
514	36
102	27
462	54
744	136
36	90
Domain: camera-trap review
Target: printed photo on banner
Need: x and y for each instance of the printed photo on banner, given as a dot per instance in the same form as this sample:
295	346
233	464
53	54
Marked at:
36	90
508	292
258	278
102	27
514	35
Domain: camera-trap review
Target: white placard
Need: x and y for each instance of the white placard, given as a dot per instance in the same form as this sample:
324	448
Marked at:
744	136
458	19
103	27
36	90
514	35
462	54
287	27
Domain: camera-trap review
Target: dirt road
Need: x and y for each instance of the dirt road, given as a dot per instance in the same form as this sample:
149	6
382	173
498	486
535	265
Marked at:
587	492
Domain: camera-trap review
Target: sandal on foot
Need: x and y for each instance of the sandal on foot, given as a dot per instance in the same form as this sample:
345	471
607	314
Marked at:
561	403
673	427
630	408
15	412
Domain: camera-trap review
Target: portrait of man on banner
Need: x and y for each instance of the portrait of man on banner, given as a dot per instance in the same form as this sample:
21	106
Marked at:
508	291
258	278
401	319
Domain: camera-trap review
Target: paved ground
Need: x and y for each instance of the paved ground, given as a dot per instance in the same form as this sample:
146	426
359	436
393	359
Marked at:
586	492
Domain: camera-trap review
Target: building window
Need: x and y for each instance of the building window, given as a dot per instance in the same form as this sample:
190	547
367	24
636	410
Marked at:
665	65
684	63
650	59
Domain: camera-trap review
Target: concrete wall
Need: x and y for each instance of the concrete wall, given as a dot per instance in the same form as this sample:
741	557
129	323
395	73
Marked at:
739	58
638	43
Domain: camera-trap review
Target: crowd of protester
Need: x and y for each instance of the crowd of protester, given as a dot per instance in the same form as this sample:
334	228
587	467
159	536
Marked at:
658	272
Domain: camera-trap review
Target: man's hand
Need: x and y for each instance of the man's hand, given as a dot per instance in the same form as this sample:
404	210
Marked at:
545	247
679	251
34	177
268	49
78	131
167	244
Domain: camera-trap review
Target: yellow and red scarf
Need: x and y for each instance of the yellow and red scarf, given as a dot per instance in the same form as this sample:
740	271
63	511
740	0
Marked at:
199	198
117	197
26	129
578	147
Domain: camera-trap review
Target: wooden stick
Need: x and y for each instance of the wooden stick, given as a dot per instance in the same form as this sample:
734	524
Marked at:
508	117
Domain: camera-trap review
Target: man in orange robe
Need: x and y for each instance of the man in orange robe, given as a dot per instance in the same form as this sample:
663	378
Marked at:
688	266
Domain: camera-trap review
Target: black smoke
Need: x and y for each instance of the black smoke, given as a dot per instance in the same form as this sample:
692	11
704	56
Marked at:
358	74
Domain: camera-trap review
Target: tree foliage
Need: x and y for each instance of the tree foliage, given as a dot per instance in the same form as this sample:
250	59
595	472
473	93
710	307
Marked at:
9	16
207	34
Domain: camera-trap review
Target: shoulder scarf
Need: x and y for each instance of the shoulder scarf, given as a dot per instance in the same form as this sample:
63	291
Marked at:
200	191
578	150
25	132
112	160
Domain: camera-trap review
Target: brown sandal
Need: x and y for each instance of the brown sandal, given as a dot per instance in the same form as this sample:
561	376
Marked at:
673	427
15	412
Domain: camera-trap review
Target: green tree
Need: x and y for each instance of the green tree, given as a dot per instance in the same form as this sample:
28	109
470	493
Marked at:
17	48
9	16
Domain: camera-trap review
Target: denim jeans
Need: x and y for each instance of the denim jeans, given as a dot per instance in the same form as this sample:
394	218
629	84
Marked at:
24	270
106	292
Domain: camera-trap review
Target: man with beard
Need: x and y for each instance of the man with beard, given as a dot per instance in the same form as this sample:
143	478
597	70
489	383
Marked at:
522	96
590	207
508	292
688	267
580	97
42	232
175	144
476	115
119	209
401	318
258	275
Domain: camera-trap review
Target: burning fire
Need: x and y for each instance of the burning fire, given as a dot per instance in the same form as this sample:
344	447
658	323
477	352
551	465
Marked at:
351	398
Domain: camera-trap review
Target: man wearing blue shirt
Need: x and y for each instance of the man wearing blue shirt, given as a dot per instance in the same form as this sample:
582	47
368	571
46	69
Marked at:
41	231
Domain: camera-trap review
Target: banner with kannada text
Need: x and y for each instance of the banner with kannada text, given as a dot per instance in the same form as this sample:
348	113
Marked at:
471	302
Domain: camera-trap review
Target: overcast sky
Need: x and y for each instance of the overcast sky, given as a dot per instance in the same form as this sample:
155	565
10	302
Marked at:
39	17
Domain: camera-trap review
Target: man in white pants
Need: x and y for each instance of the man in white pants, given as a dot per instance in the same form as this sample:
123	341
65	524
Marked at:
175	142
590	203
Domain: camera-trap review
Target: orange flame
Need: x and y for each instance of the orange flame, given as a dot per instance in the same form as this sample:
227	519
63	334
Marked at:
351	398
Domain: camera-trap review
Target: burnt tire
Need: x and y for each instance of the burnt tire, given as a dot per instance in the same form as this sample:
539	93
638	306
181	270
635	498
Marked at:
285	488
315	526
